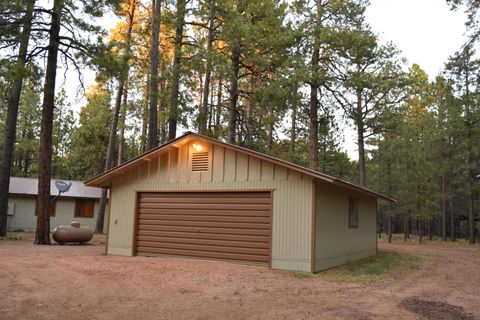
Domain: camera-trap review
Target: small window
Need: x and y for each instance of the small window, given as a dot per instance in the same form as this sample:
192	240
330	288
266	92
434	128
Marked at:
84	208
353	213
11	209
200	161
52	208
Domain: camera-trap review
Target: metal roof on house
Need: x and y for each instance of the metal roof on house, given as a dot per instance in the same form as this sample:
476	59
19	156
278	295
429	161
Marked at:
29	186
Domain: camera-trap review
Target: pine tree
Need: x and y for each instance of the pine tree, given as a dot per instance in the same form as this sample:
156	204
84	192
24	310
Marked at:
12	109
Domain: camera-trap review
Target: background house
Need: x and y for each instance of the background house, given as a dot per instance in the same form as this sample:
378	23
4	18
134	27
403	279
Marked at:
200	197
80	203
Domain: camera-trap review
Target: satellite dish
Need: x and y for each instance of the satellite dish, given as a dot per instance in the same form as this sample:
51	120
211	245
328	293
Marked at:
62	186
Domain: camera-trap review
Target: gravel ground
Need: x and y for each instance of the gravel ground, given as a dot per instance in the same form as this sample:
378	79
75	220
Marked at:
80	282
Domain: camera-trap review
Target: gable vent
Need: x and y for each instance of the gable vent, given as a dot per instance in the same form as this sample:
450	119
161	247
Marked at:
200	161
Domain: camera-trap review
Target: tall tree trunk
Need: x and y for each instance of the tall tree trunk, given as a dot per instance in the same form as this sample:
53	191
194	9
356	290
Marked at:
406	230
362	170
123	117
232	121
42	234
469	157
28	156
211	110
143	135
177	55
153	102
249	125
471	212
293	128
270	136
420	233
218	112
314	86
431	226
452	215
444	206
202	118
163	104
200	90
313	111
12	114
390	193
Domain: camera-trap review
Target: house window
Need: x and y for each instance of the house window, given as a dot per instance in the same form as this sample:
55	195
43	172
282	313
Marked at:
200	161
353	213
52	209
84	208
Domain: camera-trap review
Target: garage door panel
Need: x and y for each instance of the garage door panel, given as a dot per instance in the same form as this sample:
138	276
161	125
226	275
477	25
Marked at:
148	202
206	218
210	206
205	254
199	247
205	230
209	212
207	224
220	225
212	195
208	236
208	242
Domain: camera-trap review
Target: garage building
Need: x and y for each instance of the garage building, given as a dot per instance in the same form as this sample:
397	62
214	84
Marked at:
199	197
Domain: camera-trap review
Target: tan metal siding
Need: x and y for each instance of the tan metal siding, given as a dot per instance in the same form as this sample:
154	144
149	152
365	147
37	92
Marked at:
336	243
292	201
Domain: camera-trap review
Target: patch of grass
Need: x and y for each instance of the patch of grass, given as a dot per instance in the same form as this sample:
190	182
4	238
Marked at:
385	265
302	275
11	237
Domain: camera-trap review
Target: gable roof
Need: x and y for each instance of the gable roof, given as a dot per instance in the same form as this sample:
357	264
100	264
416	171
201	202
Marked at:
99	180
29	186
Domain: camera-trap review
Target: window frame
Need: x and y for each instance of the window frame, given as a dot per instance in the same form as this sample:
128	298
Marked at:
353	213
53	203
80	205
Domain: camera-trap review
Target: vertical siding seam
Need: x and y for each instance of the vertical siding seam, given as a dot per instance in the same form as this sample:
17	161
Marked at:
261	172
223	165
212	164
169	164
189	169
179	155
148	171
235	166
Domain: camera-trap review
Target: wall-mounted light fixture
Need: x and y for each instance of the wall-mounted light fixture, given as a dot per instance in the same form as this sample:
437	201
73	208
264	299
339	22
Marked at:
197	147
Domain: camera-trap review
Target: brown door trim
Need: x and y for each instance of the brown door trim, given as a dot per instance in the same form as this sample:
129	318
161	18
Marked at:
135	224
109	218
271	227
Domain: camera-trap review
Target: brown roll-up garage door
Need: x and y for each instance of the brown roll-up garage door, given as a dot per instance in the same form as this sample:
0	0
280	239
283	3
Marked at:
218	225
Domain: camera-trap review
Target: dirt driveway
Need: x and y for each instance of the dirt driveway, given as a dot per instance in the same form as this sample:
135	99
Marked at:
79	282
